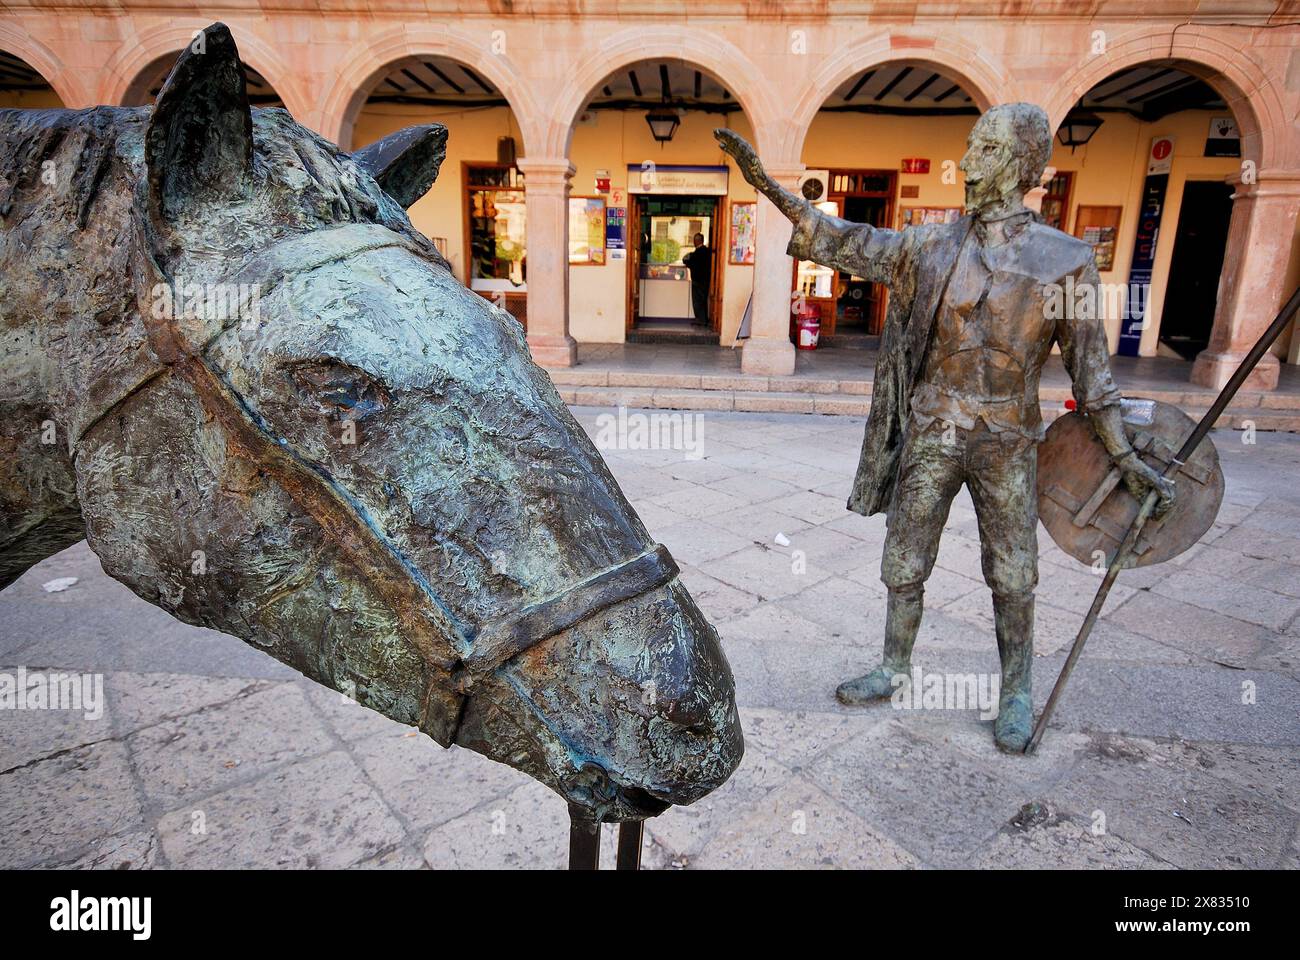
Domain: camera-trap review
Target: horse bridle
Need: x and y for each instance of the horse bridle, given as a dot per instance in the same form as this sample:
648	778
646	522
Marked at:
479	652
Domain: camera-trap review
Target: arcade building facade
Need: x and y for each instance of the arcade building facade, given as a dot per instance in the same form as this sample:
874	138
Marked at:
581	171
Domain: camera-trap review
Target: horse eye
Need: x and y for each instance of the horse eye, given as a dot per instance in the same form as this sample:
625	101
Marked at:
338	388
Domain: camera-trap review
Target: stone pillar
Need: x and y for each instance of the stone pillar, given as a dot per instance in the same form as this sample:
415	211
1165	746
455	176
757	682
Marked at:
768	351
1252	285
546	191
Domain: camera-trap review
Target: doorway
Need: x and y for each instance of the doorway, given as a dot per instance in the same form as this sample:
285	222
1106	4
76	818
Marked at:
665	298
852	310
1193	285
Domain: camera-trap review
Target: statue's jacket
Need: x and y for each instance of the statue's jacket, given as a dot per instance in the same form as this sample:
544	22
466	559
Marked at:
1040	287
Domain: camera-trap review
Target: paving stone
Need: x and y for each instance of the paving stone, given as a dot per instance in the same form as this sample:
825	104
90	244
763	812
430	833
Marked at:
401	858
1206	633
697	542
810	507
62	804
906	784
758	523
1061	843
1261	543
527	828
766	572
427	784
1229	597
1153	700
799	826
131	851
143	699
212	749
1270	772
27	735
796	738
700	503
850	612
753	488
801	676
1190	822
716	599
319	813
654	516
682	832
704	471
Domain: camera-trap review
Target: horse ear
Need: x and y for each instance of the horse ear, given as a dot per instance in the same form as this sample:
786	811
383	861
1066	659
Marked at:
199	144
405	164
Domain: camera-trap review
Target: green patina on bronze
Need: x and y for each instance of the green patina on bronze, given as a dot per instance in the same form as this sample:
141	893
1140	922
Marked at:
955	393
365	475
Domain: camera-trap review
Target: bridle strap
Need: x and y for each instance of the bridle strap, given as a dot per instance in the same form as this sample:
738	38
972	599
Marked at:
506	637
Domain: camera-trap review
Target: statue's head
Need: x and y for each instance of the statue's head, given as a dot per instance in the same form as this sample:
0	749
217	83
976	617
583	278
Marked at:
1006	153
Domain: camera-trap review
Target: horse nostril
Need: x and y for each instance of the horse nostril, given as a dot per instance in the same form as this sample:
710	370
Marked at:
687	712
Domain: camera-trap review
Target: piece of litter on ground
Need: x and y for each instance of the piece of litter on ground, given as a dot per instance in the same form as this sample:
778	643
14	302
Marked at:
781	540
58	585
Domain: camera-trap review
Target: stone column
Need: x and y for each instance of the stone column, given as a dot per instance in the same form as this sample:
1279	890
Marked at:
1252	285
546	192
768	351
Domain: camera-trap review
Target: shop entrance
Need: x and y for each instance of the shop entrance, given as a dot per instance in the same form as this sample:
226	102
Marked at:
850	307
673	284
1193	285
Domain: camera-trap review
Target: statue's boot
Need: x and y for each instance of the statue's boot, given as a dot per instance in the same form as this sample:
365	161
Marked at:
902	621
1013	617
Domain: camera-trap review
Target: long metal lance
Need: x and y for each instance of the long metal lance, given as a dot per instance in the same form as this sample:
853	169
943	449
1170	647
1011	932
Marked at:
1148	504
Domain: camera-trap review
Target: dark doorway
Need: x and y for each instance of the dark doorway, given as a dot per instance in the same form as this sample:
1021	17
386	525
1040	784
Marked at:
856	306
662	302
1193	285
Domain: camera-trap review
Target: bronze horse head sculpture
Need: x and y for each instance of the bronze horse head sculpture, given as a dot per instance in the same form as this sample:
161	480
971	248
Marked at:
357	469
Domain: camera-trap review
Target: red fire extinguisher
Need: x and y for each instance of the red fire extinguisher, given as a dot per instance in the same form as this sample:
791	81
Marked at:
808	328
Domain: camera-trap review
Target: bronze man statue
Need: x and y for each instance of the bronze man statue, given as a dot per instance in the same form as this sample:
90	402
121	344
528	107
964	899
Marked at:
975	307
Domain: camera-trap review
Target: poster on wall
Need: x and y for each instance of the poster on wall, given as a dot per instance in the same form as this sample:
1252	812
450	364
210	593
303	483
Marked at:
586	231
1159	163
913	216
740	246
1099	226
616	233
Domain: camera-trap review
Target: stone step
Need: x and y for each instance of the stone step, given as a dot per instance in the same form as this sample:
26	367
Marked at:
650	381
1236	417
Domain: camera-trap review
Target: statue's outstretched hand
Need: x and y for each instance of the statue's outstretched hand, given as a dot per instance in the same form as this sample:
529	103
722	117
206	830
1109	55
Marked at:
746	157
739	149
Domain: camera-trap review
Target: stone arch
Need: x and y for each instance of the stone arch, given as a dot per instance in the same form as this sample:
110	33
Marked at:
710	52
984	79
338	109
157	43
1205	54
40	58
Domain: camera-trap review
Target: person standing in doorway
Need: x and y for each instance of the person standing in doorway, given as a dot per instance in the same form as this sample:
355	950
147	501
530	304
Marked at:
700	262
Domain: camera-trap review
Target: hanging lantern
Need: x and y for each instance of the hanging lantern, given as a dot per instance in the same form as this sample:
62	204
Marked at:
1078	128
663	124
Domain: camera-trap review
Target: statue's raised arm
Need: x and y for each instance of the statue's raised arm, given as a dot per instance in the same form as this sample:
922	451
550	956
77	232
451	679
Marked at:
751	168
857	248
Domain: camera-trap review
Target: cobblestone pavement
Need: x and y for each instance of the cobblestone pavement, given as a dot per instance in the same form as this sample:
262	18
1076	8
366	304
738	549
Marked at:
1175	747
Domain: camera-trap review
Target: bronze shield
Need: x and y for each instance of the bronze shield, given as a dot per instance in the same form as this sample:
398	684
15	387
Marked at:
1087	509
